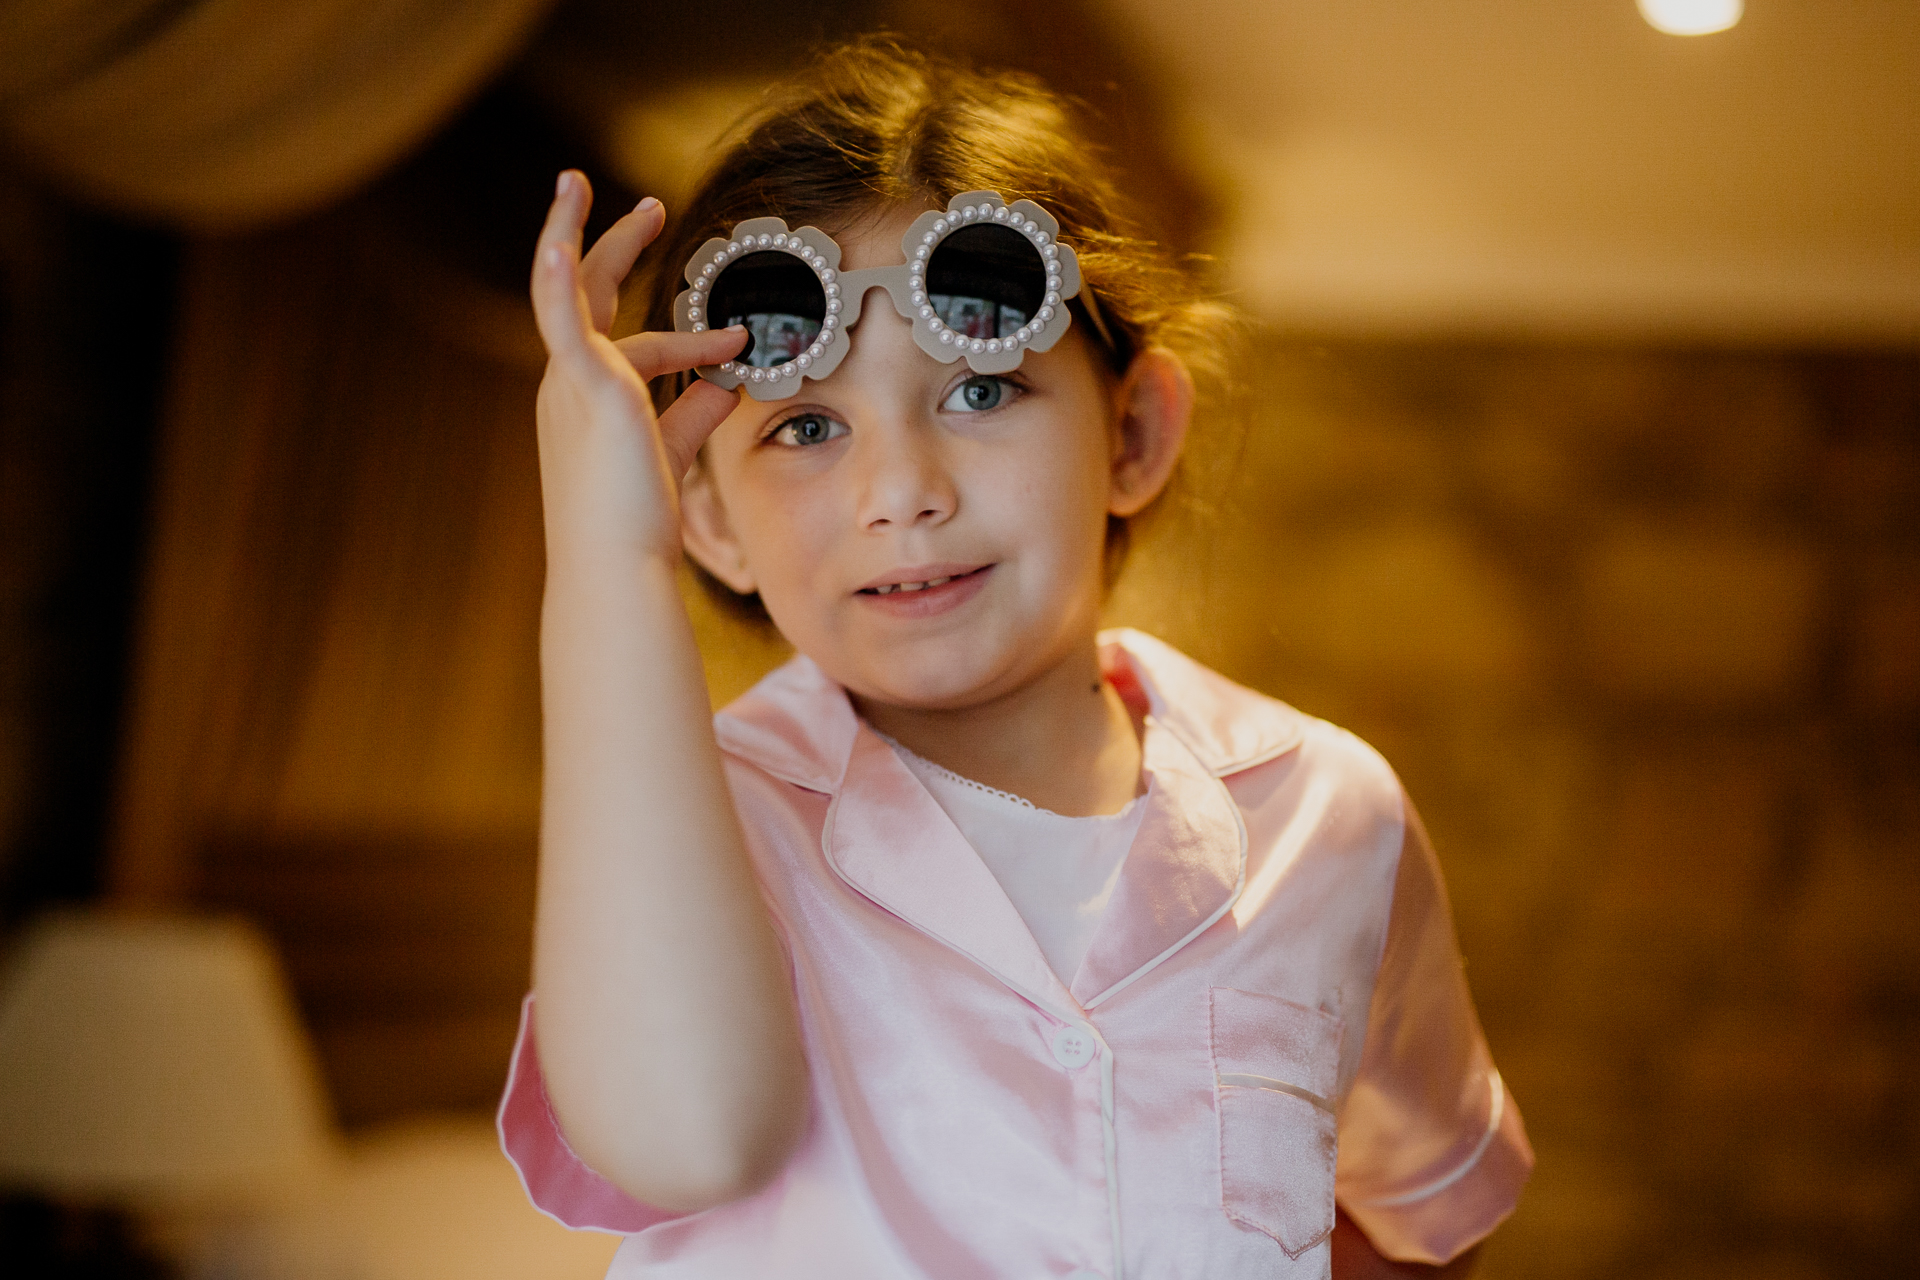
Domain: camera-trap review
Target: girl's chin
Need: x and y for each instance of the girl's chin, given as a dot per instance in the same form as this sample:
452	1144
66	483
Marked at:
943	674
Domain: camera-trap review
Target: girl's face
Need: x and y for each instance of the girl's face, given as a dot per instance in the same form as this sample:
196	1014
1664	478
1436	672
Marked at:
931	537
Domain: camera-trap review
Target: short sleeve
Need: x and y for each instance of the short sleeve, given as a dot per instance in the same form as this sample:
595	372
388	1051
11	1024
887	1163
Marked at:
1432	1150
556	1179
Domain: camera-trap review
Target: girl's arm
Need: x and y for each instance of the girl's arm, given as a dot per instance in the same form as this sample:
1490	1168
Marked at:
665	1018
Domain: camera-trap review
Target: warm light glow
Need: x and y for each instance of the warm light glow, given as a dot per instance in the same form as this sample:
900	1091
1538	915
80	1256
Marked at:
155	1060
1691	17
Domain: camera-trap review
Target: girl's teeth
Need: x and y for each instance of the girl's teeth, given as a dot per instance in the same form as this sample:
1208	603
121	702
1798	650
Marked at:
913	586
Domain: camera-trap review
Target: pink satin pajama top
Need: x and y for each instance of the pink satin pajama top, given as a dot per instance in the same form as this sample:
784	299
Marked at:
1272	1015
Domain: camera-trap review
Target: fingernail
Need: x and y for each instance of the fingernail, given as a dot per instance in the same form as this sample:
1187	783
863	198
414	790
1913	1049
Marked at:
647	205
561	183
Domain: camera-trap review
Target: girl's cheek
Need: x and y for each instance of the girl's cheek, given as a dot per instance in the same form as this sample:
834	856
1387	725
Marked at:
795	530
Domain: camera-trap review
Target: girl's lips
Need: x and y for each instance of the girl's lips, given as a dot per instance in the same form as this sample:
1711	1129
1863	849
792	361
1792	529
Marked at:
912	601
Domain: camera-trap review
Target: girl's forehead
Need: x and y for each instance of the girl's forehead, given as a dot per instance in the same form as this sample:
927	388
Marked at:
871	238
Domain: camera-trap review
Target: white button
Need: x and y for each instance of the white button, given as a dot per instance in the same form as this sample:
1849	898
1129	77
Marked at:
1072	1047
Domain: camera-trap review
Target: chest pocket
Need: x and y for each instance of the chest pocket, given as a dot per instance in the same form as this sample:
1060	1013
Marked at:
1276	1065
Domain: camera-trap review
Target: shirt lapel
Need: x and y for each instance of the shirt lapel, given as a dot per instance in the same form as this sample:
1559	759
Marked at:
1186	866
890	840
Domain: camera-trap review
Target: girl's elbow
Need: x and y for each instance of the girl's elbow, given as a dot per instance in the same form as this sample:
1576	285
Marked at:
739	1166
727	1162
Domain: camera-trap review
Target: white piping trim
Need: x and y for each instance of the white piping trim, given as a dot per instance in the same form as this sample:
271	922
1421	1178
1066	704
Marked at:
1237	1080
1110	1141
506	1149
1227	768
1461	1170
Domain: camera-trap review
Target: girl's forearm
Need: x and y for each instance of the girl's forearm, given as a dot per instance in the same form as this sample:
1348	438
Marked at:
665	1017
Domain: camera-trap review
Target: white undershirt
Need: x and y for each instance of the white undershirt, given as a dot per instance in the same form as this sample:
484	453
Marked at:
1058	872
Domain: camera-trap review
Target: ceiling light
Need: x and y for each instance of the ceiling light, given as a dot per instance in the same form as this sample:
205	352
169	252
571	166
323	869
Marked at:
1691	17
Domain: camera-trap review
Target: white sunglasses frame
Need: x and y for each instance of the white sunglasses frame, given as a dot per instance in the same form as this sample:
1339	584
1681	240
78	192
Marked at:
905	284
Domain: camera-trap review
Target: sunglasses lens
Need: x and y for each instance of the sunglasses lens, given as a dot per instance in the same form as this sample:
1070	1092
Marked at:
985	281
777	297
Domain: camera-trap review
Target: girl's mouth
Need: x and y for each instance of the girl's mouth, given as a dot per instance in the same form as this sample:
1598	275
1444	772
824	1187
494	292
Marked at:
932	590
914	586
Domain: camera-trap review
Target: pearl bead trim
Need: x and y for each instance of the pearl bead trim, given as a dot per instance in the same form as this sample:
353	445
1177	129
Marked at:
784	242
954	220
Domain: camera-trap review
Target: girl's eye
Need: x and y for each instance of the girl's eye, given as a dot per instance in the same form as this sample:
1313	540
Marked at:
977	394
808	429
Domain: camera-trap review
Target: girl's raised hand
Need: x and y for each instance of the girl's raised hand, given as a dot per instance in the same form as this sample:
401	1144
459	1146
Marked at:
610	469
668	1036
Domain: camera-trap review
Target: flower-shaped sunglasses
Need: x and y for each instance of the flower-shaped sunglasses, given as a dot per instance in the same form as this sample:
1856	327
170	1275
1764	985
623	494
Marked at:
985	282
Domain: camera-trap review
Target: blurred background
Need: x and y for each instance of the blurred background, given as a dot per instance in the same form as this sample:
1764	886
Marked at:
1577	469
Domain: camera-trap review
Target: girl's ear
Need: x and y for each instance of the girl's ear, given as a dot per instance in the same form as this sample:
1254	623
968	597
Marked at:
1154	404
707	534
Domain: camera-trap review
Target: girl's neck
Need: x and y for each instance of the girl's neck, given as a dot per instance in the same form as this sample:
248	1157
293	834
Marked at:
1065	741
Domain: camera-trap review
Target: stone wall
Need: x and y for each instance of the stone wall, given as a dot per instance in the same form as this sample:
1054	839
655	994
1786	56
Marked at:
1641	632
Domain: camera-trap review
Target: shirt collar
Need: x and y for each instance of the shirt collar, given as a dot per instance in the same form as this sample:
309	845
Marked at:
798	725
1185	869
1227	726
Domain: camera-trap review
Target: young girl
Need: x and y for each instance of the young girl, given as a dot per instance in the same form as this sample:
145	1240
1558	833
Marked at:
973	942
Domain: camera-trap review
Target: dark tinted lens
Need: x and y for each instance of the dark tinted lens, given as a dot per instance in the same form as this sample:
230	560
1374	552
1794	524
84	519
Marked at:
777	297
985	281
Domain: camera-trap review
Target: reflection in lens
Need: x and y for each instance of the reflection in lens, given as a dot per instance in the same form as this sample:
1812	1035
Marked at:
985	281
777	297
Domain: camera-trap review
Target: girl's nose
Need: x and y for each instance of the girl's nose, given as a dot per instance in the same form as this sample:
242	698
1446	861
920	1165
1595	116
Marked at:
907	482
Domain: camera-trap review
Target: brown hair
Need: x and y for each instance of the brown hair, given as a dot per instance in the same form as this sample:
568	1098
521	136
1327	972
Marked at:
872	123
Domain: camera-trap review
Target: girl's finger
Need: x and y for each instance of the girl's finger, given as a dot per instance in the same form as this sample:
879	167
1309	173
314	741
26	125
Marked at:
653	354
559	304
613	256
689	420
